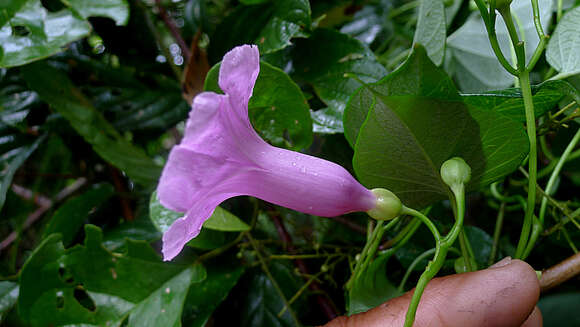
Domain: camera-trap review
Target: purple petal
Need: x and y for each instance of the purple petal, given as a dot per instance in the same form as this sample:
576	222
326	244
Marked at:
221	156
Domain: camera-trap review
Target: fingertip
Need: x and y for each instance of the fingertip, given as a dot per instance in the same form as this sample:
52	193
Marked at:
535	319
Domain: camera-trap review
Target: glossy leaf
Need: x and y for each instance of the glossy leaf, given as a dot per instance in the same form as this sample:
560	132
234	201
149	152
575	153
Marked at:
323	60
277	108
327	121
30	32
56	89
431	30
418	76
70	217
509	102
8	297
481	243
473	63
563	51
273	26
263	301
372	288
204	297
89	285
132	100
11	161
220	220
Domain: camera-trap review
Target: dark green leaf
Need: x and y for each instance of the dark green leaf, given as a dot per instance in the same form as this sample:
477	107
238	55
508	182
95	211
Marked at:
404	141
273	26
560	310
509	102
481	243
30	32
11	161
263	302
90	285
221	219
323	60
71	216
418	76
203	298
117	10
8	297
56	89
277	108
473	63
563	51
372	288
163	307
430	30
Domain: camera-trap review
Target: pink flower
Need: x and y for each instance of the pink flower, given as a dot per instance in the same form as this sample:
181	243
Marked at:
221	156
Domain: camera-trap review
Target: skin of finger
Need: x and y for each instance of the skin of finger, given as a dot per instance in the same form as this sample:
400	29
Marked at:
501	297
535	319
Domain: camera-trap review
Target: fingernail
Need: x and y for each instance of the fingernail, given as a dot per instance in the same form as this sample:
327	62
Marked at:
503	262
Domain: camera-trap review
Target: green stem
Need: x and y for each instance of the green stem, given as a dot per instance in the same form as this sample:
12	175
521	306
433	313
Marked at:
412	266
467	252
497	233
442	246
556	172
489	21
559	12
532	162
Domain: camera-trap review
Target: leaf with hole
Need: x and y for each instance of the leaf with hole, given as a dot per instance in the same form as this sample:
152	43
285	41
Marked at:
70	217
92	286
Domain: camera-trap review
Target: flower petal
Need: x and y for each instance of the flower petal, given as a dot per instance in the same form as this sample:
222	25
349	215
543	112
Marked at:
238	73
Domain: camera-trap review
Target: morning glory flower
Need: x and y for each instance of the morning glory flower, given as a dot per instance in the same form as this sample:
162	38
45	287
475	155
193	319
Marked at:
221	156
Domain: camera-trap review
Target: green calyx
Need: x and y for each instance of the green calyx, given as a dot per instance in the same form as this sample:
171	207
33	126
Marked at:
455	172
388	205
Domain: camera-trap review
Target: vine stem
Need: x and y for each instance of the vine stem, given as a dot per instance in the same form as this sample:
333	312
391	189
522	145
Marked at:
556	172
524	78
442	246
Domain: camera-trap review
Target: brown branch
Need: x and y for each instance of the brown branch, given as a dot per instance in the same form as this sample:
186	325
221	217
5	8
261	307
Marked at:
560	272
174	30
121	189
327	307
44	204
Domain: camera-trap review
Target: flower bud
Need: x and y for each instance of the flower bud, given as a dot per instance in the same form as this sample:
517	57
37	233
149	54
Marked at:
388	205
455	172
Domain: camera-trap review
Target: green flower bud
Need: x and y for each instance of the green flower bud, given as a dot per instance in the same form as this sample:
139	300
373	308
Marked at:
388	205
455	172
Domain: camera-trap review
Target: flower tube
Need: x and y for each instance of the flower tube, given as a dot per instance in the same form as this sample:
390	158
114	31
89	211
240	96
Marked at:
221	156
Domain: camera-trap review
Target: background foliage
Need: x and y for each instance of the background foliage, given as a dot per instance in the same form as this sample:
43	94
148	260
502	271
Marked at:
93	94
